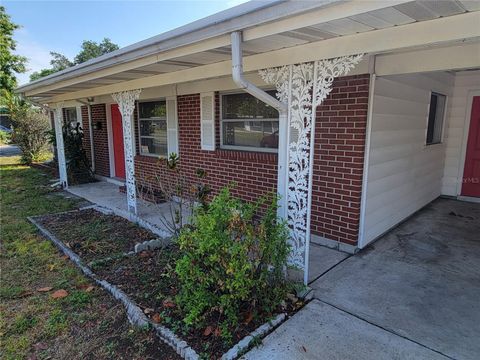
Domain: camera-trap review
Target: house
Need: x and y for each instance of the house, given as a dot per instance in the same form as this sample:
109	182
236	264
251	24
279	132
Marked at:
358	113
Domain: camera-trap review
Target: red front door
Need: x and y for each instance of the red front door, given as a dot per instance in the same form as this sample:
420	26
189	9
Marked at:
118	152
471	174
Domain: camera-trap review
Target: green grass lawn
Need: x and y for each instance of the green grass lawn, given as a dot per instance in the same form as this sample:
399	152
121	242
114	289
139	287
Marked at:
87	323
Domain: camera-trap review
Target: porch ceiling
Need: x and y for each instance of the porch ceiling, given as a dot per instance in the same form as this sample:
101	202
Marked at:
278	36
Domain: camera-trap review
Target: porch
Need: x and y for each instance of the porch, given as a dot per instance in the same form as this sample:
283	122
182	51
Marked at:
108	196
149	215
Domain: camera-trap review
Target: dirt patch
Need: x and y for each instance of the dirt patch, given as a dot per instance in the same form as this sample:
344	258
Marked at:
149	278
93	235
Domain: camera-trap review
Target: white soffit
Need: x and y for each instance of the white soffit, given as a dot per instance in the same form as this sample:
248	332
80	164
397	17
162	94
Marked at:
406	13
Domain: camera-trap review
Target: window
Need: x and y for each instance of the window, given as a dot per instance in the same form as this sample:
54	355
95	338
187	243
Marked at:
153	128
71	117
248	123
435	118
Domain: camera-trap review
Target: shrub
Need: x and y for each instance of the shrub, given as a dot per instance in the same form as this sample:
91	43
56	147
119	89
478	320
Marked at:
4	137
233	260
182	192
78	164
30	127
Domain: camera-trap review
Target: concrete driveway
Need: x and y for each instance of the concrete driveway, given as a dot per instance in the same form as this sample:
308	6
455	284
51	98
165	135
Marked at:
415	293
9	150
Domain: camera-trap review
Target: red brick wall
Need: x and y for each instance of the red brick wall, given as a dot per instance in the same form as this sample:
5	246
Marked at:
254	173
338	162
100	140
86	133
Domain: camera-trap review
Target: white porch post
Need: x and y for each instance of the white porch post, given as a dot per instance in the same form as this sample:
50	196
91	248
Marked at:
126	106
303	87
62	163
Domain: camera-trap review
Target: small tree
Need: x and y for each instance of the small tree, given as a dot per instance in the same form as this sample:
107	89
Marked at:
30	127
178	189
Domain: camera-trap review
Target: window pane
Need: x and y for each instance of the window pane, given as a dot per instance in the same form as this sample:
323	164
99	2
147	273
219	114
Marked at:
259	134
153	133
153	127
71	116
435	118
152	109
153	146
153	137
245	106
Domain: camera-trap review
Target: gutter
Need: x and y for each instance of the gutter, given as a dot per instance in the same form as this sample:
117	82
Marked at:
244	84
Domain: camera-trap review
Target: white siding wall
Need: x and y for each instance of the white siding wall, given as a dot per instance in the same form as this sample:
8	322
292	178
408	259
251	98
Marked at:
456	131
403	173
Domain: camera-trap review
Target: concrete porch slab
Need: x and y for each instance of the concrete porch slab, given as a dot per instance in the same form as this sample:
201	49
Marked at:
321	259
421	280
107	195
320	331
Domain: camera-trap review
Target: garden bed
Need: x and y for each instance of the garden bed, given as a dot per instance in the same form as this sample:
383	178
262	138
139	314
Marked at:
149	279
149	283
93	235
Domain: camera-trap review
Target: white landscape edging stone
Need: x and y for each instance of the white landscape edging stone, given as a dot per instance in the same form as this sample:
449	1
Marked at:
135	315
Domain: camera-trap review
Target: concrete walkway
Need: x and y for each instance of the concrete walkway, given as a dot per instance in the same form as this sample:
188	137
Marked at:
415	293
320	331
151	216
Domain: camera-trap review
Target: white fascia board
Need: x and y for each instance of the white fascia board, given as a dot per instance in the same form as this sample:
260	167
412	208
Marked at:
456	57
420	34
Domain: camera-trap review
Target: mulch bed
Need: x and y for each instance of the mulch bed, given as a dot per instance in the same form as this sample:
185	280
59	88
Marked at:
94	235
149	279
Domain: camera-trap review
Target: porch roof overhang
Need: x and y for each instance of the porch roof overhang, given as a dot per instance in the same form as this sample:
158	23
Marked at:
276	33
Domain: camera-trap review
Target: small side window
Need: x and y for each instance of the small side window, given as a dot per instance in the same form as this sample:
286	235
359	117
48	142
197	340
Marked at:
71	117
435	118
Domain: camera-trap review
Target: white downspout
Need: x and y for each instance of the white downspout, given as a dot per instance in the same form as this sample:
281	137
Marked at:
242	83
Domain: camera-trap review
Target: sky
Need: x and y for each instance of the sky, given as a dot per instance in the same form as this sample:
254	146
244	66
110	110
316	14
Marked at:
61	26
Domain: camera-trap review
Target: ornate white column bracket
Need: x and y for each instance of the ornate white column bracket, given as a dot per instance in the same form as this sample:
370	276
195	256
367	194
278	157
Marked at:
62	163
304	87
126	106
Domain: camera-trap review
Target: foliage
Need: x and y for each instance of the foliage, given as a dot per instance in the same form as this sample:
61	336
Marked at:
177	189
4	137
10	63
78	164
233	261
59	62
92	49
30	127
89	50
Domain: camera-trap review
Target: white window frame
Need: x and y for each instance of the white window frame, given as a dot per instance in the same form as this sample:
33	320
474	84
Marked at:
444	117
242	148
151	137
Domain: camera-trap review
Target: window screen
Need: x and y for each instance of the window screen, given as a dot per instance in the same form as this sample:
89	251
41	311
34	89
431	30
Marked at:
248	123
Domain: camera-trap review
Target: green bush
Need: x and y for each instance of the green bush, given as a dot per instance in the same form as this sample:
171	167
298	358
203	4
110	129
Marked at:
4	137
233	261
30	128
